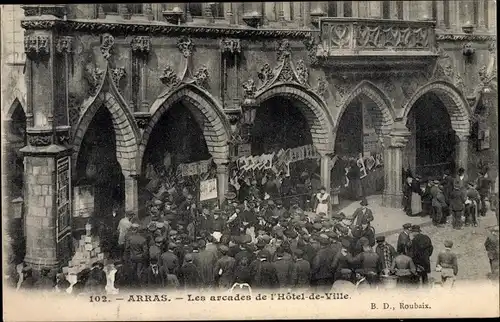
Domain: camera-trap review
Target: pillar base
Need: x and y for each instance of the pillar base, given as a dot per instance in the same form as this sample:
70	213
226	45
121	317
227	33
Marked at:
392	200
38	263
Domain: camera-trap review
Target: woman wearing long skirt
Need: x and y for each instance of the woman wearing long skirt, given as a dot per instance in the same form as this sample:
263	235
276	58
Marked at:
416	198
322	200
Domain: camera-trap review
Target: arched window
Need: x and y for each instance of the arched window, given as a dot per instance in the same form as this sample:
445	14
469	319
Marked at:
109	8
386	9
347	8
332	9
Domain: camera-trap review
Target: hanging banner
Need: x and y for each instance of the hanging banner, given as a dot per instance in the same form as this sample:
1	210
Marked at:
208	189
194	168
244	150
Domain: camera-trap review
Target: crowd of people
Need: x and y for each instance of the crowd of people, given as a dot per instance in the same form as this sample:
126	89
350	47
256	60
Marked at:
453	196
259	242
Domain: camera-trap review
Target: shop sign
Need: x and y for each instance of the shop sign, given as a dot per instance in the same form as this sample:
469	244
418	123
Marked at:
194	168
244	150
208	189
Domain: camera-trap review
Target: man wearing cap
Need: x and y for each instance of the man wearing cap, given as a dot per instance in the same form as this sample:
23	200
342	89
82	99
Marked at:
404	268
153	277
369	263
189	276
461	180
404	241
491	245
421	250
205	261
169	260
284	267
301	271
362	214
364	231
123	226
156	249
263	272
457	206
224	269
203	220
386	252
321	273
439	205
447	264
341	259
471	205
344	281
136	250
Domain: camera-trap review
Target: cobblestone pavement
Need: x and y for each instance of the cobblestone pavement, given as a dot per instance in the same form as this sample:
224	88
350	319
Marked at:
468	244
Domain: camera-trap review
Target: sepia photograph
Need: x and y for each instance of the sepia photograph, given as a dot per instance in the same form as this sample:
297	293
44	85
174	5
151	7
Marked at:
244	160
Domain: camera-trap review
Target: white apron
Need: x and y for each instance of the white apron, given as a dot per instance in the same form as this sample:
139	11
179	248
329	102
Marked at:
322	207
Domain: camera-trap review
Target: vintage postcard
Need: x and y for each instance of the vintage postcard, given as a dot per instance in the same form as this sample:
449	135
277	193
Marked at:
256	160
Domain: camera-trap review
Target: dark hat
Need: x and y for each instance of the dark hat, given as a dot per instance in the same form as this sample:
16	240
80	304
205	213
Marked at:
448	243
202	243
345	271
266	238
407	226
291	234
158	239
317	226
270	202
415	228
152	226
298	252
380	239
364	202
343	230
246	239
188	257
345	243
261	243
157	202
338	216
279	202
332	235
363	241
327	224
172	246
264	254
323	239
230	195
173	232
223	249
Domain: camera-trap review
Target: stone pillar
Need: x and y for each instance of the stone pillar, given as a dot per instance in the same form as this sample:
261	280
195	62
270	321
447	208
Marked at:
131	194
307	14
222	181
325	171
393	165
406	10
440	23
374	9
481	15
462	149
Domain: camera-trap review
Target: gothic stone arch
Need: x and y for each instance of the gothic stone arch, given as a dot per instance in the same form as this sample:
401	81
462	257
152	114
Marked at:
381	112
124	126
313	108
207	113
453	100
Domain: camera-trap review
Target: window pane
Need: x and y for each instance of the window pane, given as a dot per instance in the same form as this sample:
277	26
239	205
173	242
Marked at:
218	9
347	8
386	10
195	9
135	9
332	8
399	9
110	8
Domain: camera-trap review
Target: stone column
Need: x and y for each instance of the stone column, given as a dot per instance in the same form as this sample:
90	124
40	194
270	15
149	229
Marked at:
424	10
222	182
440	23
325	171
406	10
481	15
131	194
307	14
374	9
393	165
462	149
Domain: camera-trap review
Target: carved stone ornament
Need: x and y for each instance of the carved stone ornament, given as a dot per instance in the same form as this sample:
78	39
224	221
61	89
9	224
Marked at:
36	46
107	43
249	89
286	74
283	50
321	87
310	44
94	78
116	75
230	46
74	107
265	75
141	45
302	72
445	71
169	77
142	119
64	44
40	139
201	76
63	138
341	91
186	46
58	10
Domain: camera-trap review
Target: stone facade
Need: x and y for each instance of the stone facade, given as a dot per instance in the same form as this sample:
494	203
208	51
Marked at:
139	61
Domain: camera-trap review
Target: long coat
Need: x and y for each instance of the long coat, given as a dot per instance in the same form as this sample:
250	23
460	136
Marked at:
404	243
321	264
205	261
284	270
224	271
421	251
264	274
359	216
301	273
